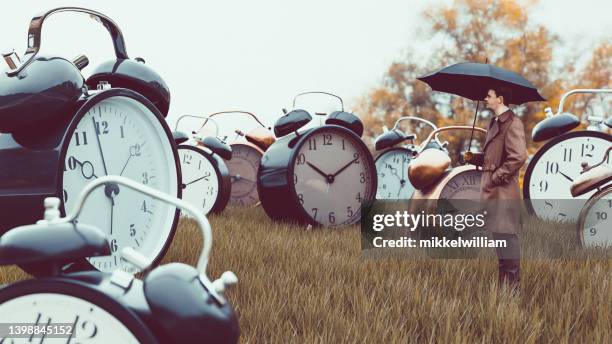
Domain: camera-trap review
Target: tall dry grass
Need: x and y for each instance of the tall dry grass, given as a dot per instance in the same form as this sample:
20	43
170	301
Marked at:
315	286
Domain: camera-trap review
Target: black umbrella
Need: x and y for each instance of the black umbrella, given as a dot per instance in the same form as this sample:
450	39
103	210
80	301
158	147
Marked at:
473	81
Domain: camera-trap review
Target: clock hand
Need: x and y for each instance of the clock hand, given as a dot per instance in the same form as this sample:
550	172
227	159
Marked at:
125	165
82	164
93	121
238	178
134	151
111	219
345	167
394	172
317	170
111	190
565	175
196	180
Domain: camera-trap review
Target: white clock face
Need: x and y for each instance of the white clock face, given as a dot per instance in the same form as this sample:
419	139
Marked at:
200	179
332	177
392	174
597	227
553	174
243	172
90	323
120	136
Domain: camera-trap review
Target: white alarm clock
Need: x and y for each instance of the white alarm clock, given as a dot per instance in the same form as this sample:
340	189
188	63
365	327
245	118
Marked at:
555	166
206	179
110	124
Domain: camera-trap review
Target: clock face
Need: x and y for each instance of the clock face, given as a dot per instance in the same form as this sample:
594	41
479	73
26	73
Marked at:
596	229
120	136
200	178
553	169
392	174
243	172
88	322
464	185
333	173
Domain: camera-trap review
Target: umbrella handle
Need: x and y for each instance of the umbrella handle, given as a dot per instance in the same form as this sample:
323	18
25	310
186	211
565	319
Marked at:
580	90
452	127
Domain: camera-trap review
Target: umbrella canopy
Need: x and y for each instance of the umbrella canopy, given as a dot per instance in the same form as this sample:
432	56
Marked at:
473	81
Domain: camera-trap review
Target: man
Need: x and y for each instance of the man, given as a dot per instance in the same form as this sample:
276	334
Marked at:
505	152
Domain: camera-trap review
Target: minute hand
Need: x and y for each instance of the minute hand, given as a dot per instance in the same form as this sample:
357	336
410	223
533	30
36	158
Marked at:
345	167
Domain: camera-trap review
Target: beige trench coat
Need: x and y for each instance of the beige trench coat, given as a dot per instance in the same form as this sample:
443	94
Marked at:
505	152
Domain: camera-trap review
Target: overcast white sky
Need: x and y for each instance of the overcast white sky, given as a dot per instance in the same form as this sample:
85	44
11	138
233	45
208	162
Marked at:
256	55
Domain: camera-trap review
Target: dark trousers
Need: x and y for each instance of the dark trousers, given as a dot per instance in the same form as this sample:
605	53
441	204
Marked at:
509	258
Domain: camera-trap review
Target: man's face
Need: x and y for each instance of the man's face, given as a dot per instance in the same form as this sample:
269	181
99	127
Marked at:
492	100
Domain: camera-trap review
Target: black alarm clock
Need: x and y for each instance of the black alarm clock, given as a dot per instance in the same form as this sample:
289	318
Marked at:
60	131
206	178
556	165
319	176
174	303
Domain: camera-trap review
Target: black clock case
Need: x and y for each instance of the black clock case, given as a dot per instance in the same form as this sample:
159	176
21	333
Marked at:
546	147
225	187
275	181
32	160
130	306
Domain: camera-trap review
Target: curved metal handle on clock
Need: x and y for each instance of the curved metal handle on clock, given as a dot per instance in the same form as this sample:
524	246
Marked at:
319	92
580	90
418	119
452	127
206	120
34	34
239	111
130	254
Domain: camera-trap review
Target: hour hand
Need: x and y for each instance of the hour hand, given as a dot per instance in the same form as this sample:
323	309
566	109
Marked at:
317	170
87	169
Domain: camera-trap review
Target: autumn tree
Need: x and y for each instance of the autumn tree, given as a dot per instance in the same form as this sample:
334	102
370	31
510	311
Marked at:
501	33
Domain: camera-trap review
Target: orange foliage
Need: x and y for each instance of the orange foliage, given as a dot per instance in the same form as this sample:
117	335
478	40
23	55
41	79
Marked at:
475	30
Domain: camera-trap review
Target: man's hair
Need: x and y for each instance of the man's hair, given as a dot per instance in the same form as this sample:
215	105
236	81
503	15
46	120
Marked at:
505	92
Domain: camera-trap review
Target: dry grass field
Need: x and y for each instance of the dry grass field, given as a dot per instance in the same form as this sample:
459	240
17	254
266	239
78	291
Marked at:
315	286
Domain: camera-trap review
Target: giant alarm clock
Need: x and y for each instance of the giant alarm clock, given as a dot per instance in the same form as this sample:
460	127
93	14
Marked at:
554	167
319	176
431	175
61	132
206	179
595	218
246	157
392	162
174	303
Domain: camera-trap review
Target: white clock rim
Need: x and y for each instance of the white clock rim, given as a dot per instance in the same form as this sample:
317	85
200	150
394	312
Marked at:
550	143
215	168
161	126
303	137
80	290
